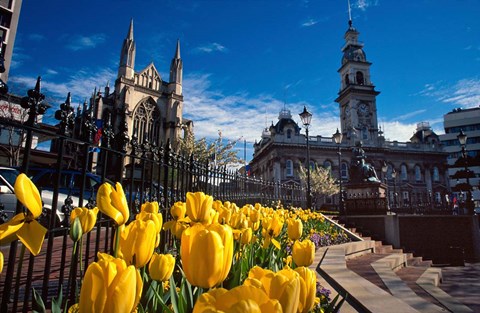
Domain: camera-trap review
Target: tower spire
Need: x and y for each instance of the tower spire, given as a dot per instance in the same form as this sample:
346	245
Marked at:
130	30
127	55
176	69
349	15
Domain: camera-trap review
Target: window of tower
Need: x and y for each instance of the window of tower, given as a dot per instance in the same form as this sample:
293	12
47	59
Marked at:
359	78
347	80
289	133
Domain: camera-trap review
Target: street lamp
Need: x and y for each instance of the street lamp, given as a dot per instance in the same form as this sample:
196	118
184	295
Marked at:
462	138
306	118
337	137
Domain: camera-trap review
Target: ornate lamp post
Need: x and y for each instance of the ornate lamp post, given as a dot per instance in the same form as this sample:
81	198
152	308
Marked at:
462	138
306	118
337	137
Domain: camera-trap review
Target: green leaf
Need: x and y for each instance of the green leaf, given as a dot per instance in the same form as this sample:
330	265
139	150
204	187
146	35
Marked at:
57	302
37	303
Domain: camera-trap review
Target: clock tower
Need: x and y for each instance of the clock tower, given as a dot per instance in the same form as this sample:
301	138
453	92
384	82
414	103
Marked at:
357	95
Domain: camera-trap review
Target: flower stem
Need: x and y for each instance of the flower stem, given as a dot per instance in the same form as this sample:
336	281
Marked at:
117	241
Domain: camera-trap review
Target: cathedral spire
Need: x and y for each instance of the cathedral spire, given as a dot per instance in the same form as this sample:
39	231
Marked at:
127	55
176	68
130	30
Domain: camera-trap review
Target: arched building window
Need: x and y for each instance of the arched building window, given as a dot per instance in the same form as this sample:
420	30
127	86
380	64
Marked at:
289	133
289	168
418	173
344	170
327	165
359	78
436	174
403	172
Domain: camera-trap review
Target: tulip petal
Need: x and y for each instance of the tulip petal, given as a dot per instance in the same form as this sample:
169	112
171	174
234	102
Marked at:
124	296
8	230
28	194
32	235
93	295
106	204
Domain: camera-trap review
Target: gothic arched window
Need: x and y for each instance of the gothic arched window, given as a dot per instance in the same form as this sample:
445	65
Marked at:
146	121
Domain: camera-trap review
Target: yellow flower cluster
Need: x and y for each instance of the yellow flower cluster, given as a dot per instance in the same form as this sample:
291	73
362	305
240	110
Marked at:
220	245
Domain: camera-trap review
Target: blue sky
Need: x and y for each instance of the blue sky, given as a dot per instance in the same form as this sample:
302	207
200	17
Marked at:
245	60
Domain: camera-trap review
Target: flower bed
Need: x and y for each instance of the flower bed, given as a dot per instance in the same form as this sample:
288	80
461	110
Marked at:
223	258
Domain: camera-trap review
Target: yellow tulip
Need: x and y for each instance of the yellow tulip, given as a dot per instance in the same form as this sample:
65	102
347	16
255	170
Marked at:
150	207
178	224
149	211
161	266
87	218
246	236
112	202
294	228
272	228
303	252
240	299
308	289
137	242
284	286
23	226
199	207
209	248
1	262
178	210
110	286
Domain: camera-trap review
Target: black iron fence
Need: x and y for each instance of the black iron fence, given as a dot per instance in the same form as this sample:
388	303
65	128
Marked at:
148	171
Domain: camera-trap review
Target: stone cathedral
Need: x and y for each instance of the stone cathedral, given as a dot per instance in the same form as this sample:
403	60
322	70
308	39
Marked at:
143	104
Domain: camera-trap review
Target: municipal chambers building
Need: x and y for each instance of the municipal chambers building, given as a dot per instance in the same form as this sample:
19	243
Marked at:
415	172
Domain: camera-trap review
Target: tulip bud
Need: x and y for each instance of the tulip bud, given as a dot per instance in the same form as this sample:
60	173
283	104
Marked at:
161	266
294	229
1	262
76	230
303	252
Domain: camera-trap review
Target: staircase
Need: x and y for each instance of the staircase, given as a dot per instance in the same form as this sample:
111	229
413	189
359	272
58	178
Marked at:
378	278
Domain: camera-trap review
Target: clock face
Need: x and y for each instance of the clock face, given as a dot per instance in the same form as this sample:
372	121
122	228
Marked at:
363	108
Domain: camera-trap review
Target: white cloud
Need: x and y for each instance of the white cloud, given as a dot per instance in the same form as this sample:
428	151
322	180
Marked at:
394	130
309	23
464	93
85	42
364	4
410	115
211	47
80	85
36	37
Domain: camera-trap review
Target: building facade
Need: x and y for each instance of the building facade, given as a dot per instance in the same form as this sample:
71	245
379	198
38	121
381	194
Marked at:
415	172
9	14
468	121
